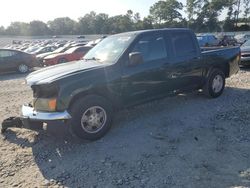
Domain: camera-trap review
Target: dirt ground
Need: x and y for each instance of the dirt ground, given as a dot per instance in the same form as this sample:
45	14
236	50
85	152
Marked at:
184	141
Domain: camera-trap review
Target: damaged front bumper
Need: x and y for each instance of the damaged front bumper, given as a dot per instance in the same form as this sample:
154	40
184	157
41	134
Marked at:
29	113
30	117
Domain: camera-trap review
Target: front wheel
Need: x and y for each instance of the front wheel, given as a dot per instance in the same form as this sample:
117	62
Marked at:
22	68
215	83
91	117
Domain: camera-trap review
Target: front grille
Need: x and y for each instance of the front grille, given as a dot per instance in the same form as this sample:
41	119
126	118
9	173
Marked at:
245	55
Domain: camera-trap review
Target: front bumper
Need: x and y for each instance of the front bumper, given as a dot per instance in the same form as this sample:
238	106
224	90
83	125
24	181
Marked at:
31	114
245	57
32	119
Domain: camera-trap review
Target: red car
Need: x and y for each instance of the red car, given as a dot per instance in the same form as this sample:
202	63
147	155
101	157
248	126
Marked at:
72	54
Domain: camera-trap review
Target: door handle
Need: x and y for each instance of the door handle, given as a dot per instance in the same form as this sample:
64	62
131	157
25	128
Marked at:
197	58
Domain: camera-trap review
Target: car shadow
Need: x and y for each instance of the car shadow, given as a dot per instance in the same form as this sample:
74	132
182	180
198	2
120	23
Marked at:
14	75
11	76
163	136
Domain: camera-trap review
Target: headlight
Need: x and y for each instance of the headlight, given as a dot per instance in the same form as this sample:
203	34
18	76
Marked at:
42	104
45	97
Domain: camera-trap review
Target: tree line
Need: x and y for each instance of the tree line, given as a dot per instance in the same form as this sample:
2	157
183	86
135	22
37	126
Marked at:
200	15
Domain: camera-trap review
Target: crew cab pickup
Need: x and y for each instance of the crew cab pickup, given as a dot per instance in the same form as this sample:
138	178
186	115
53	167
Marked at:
123	70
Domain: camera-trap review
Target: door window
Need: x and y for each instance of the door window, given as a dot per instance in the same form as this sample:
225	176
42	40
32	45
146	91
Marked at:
183	44
6	53
151	47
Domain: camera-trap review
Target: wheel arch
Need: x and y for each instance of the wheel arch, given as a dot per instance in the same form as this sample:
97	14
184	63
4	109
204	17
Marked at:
107	96
223	67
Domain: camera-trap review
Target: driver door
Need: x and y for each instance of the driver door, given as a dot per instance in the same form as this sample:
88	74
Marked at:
147	80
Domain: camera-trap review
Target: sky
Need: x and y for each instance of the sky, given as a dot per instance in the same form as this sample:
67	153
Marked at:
45	10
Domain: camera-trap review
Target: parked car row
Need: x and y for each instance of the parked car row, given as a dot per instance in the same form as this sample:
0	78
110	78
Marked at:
72	54
22	56
211	40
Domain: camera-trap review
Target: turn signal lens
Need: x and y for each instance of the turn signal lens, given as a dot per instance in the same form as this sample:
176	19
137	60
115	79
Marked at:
52	104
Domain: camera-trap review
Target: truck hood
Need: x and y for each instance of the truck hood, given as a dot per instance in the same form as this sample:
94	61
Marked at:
52	73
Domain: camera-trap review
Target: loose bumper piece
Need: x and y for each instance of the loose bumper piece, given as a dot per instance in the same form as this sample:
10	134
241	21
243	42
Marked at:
11	122
32	119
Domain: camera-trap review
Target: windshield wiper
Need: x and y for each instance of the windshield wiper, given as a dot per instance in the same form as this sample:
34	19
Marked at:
93	58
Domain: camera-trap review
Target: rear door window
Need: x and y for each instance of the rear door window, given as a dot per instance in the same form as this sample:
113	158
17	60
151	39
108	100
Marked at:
6	53
183	44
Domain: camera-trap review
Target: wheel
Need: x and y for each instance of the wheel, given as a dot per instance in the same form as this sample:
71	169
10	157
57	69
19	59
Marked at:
91	117
62	60
215	83
22	68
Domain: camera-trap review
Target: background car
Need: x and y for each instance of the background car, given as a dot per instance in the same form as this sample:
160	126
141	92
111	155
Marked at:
44	50
72	54
245	53
207	40
14	60
227	40
242	38
40	57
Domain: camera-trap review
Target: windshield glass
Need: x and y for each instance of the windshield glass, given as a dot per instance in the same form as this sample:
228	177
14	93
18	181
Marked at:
31	50
239	36
247	43
71	50
59	50
39	49
110	49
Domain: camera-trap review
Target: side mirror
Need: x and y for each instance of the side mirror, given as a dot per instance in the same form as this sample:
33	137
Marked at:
135	58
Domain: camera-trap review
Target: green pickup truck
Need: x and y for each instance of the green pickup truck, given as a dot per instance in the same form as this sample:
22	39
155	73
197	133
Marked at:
124	70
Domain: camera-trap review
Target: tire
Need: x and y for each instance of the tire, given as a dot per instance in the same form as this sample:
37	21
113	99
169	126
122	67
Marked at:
62	60
22	68
91	118
215	83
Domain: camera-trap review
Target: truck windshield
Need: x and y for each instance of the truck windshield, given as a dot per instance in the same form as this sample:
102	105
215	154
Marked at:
110	49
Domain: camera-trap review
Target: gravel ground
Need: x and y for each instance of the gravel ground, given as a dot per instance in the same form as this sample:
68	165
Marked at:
182	141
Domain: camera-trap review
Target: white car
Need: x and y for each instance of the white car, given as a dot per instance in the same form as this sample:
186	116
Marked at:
241	38
245	53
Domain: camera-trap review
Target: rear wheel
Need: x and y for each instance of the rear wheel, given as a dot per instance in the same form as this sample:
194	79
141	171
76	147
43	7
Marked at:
91	117
22	68
215	83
